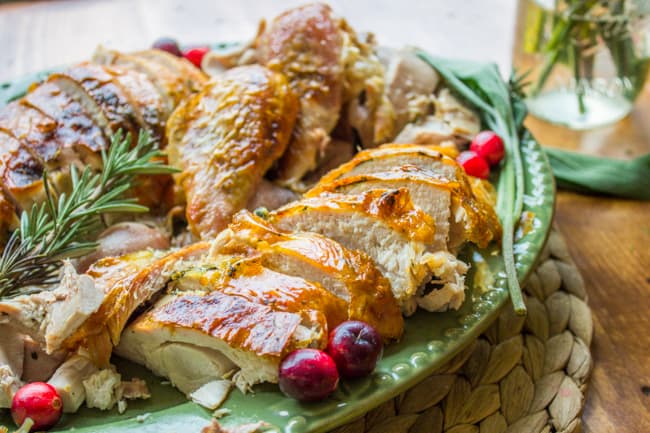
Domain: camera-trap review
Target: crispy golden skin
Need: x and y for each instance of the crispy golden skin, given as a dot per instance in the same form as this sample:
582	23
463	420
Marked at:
240	323
75	128
389	156
306	44
225	138
379	164
247	278
129	281
369	293
173	87
393	207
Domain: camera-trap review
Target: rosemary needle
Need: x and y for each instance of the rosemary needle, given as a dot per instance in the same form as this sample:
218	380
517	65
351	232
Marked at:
64	224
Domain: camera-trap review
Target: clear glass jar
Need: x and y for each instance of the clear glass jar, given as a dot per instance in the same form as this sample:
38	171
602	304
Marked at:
587	60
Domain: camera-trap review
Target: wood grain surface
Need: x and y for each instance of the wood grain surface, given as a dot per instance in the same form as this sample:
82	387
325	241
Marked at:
608	238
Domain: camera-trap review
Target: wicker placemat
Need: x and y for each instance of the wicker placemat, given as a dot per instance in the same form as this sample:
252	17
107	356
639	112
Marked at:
524	375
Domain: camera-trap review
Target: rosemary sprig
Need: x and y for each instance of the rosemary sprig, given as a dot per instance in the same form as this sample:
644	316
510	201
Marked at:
65	224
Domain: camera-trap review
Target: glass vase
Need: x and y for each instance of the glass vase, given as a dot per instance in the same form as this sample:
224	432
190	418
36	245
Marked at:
586	61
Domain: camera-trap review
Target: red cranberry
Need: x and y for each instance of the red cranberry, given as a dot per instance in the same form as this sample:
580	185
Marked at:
473	164
195	55
355	347
38	401
168	44
489	146
308	375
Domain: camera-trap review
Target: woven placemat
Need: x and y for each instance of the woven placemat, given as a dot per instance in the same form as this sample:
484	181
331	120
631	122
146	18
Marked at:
523	375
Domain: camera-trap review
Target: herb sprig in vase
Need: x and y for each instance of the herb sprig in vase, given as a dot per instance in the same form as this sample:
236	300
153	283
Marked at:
587	59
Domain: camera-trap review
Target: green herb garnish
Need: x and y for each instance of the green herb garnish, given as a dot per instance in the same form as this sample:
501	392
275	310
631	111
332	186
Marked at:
596	175
578	28
502	110
65	225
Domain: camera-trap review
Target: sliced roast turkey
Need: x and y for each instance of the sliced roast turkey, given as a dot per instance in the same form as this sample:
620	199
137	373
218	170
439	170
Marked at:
382	223
472	218
350	275
241	317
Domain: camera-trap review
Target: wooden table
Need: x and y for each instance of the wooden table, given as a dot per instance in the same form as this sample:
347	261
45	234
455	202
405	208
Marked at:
608	238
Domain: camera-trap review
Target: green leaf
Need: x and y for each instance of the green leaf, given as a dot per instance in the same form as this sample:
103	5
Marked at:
596	175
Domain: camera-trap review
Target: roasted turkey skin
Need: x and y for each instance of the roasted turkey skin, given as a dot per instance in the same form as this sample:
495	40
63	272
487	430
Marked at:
69	118
348	274
384	224
225	138
128	281
306	44
473	207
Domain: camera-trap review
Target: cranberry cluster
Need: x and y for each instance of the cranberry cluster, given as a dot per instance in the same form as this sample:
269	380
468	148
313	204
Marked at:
485	150
352	351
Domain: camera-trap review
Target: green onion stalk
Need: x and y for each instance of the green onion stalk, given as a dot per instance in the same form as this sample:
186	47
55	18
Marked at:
501	110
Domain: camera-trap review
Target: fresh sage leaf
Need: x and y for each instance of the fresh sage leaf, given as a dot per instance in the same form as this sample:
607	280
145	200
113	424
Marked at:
596	175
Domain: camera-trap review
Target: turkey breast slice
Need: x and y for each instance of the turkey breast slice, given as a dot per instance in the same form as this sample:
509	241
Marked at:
428	193
473	217
93	81
434	197
22	179
170	85
390	156
225	330
350	275
127	97
150	108
75	127
193	78
247	278
40	146
230	312
383	223
128	282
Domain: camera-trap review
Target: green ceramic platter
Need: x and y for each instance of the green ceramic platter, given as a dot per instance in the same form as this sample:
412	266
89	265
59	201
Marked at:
430	339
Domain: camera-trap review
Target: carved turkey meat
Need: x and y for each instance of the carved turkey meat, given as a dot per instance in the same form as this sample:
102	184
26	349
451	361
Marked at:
225	139
221	300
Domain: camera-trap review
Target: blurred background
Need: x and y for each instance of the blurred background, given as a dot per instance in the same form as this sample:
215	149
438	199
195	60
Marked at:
35	35
45	33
